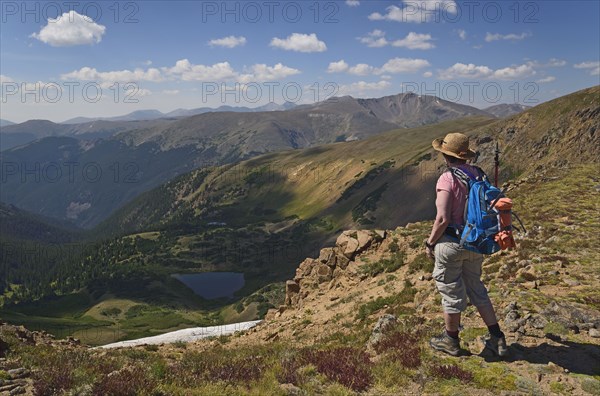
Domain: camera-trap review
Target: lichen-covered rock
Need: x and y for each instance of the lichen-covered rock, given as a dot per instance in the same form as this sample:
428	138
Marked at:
382	327
537	321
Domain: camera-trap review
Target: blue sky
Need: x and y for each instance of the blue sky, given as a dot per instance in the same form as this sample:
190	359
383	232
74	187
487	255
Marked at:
108	58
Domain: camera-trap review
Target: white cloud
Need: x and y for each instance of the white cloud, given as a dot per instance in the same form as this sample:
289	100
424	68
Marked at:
514	72
187	71
352	3
553	62
462	34
171	91
300	42
393	66
337	67
359	87
147	63
262	72
427	74
376	39
546	80
228	42
141	92
5	79
586	65
91	74
593	66
415	41
70	29
402	65
489	37
461	70
184	70
362	69
417	11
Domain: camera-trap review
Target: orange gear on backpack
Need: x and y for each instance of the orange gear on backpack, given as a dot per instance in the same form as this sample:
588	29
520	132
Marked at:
504	238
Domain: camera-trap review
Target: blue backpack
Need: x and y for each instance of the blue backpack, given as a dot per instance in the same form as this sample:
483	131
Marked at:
482	221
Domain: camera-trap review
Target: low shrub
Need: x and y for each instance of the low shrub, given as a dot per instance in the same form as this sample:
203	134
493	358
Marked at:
450	371
125	382
348	366
402	347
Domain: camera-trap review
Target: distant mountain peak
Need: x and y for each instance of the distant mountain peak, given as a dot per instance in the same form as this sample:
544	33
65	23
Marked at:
504	110
5	123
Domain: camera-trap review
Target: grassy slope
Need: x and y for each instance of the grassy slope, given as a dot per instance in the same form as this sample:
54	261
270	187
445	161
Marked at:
336	329
307	183
303	184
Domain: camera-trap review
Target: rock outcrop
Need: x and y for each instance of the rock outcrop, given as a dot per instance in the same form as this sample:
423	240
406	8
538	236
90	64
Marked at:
313	272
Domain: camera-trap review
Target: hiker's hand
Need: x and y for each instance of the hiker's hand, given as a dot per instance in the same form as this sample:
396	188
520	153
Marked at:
429	251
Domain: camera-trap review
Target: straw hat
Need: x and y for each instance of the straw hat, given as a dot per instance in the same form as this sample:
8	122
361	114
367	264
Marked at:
455	145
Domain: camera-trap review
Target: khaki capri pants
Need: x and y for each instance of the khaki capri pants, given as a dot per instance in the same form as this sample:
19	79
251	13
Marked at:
457	275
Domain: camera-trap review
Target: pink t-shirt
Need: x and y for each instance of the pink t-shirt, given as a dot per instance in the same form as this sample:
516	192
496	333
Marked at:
458	193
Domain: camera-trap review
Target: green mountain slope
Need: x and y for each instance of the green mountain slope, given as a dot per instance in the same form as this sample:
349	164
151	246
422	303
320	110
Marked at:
148	153
264	215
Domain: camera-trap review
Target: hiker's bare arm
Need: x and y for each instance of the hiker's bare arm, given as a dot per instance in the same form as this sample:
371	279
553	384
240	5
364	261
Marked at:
442	219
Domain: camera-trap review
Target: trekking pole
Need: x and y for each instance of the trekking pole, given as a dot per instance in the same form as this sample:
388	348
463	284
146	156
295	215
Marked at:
496	164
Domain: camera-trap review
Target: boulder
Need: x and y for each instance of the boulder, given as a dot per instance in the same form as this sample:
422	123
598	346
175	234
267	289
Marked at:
327	256
537	321
348	243
380	235
292	292
305	268
382	327
364	239
341	261
323	273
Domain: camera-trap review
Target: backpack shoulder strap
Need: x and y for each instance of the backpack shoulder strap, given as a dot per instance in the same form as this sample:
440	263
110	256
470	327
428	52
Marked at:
482	173
466	180
461	175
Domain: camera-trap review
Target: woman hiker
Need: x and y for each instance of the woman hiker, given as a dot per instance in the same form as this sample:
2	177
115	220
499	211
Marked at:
457	271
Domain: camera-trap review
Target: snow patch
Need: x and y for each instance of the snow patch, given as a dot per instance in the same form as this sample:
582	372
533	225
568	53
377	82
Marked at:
186	335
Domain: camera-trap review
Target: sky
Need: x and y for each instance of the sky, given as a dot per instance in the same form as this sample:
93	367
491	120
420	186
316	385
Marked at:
61	60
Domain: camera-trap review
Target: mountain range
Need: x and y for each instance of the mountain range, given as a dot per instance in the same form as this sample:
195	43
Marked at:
90	128
141	115
135	156
263	215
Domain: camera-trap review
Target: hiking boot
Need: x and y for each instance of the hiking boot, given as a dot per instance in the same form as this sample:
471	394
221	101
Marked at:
445	343
496	344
